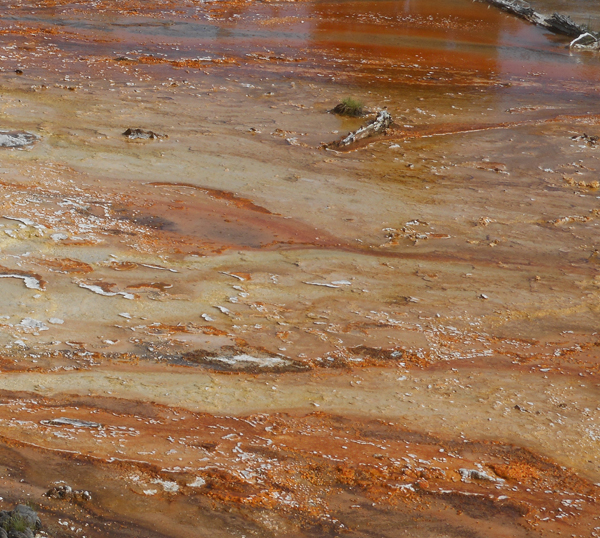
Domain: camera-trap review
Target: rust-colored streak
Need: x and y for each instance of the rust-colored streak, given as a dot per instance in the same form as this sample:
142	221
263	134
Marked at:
269	462
161	286
220	221
123	266
242	203
189	328
65	265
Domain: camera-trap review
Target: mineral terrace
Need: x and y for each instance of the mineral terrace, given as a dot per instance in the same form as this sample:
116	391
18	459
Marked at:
221	324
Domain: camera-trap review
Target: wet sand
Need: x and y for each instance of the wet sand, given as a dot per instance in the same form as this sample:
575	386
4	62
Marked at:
264	337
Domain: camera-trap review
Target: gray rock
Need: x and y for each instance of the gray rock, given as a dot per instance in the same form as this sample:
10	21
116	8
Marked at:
16	139
27	533
28	514
19	523
4	517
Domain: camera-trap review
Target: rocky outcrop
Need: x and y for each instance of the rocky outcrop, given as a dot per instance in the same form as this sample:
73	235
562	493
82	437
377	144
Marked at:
19	523
67	493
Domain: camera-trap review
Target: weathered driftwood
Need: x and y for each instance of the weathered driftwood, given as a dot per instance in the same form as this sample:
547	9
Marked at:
562	24
516	7
557	23
586	41
374	127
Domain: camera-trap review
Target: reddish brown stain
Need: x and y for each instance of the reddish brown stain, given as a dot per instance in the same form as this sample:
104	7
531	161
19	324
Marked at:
65	265
406	474
241	203
123	266
161	286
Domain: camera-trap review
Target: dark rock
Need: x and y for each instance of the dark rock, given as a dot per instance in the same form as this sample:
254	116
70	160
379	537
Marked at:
140	134
591	140
69	494
60	492
4	517
20	523
27	533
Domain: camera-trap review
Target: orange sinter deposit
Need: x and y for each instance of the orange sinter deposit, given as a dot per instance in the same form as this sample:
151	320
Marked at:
222	316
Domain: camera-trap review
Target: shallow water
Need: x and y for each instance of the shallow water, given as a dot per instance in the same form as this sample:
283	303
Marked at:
322	342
